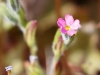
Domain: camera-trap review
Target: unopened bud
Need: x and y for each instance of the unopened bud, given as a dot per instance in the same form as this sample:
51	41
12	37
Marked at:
30	36
8	68
30	33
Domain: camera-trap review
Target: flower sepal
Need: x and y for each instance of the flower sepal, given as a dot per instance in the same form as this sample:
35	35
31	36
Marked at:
61	42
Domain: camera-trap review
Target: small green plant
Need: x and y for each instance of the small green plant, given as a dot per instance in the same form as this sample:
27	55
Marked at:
65	34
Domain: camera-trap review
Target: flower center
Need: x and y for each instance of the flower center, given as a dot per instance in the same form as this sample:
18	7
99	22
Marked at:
67	27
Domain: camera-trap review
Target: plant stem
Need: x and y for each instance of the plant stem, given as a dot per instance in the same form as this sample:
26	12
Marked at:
53	66
9	72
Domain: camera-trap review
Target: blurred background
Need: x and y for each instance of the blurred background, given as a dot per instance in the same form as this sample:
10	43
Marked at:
82	57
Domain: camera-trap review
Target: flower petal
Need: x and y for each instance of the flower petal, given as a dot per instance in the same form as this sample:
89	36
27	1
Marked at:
76	25
61	22
71	32
69	20
63	30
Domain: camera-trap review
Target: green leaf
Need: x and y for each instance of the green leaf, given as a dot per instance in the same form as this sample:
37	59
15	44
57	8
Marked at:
21	14
17	8
6	12
13	4
57	44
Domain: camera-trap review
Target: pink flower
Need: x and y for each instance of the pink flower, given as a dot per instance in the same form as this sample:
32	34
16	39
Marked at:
68	26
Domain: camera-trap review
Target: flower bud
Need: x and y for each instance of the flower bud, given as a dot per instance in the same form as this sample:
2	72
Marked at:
29	35
8	68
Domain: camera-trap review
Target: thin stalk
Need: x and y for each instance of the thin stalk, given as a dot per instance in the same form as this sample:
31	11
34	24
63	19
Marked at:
54	65
9	72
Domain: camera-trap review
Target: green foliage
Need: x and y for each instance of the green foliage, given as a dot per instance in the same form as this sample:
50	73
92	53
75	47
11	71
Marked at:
14	12
35	69
14	4
6	12
21	14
